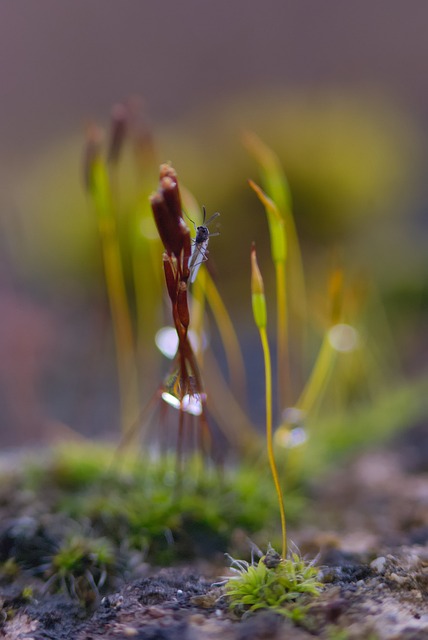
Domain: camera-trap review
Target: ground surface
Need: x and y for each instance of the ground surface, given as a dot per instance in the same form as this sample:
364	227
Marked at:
370	525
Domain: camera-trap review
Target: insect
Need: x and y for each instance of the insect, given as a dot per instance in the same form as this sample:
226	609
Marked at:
200	245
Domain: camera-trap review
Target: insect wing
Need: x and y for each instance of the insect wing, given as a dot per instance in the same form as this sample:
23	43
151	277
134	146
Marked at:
198	256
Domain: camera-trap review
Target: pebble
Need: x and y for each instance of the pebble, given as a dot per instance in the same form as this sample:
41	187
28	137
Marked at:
197	618
156	612
379	564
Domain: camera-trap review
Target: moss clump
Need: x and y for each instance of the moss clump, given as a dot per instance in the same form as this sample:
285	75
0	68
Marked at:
81	567
144	508
271	583
146	504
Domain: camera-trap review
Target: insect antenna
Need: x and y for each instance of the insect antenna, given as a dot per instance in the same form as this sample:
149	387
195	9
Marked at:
189	218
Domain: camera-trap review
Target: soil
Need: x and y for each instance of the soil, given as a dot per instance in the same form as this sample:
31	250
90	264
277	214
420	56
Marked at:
369	525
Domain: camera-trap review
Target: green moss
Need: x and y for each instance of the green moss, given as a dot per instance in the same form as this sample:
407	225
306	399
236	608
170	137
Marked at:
9	569
143	505
272	583
81	567
27	593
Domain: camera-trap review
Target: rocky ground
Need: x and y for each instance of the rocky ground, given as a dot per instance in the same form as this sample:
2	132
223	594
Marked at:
369	524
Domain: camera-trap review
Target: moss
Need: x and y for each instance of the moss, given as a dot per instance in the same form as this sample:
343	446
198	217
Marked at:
81	567
272	583
139	507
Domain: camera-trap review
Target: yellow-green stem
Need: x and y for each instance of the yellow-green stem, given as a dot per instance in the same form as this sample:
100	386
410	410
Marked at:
122	327
319	376
228	335
101	193
269	438
282	337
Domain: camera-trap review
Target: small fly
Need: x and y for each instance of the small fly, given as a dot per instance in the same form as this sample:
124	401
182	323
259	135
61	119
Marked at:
200	245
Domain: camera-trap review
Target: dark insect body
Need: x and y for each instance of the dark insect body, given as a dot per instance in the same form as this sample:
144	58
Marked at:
200	245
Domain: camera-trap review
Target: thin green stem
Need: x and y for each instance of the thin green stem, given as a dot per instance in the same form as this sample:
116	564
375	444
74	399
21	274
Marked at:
269	438
319	376
282	337
102	198
228	335
122	325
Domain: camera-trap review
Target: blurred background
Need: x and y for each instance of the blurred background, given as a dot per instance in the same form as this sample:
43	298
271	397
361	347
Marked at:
336	89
